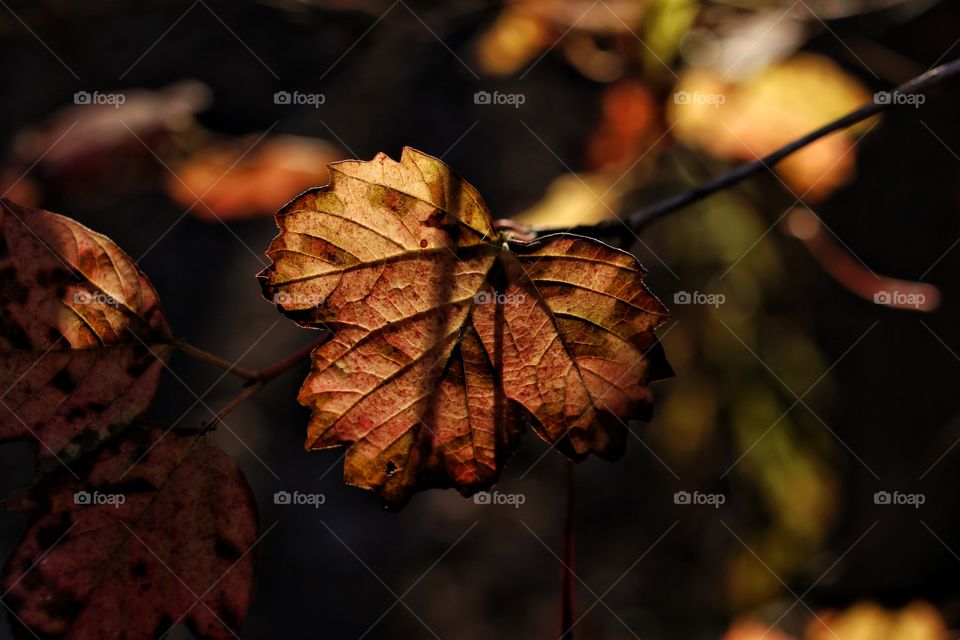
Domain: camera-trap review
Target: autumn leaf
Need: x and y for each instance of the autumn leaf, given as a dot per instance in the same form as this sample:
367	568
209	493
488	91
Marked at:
82	338
156	531
449	340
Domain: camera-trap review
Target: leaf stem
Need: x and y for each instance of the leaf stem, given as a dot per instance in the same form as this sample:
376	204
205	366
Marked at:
567	577
640	219
285	364
200	354
256	380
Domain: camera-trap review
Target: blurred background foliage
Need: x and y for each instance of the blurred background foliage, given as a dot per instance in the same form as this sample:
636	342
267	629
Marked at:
796	398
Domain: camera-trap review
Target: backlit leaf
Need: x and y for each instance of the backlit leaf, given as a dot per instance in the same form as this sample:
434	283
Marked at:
447	339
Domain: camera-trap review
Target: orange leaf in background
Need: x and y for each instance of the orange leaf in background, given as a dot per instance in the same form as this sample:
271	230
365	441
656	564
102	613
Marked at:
447	340
82	339
233	181
753	630
768	110
629	113
156	530
18	187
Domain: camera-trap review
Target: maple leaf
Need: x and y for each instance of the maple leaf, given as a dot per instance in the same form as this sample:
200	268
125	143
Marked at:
157	530
448	340
82	338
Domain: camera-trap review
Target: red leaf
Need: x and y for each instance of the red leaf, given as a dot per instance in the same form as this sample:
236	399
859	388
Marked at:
157	530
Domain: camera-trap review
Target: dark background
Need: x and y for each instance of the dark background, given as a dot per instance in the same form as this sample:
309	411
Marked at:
892	399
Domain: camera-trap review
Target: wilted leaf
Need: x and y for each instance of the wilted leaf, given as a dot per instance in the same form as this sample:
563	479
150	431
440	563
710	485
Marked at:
233	181
447	340
82	337
156	531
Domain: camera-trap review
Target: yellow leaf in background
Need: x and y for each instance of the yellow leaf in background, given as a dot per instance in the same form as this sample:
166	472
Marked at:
869	621
527	28
575	199
515	38
768	110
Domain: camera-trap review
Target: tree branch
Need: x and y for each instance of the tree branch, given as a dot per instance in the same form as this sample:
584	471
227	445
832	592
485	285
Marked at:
640	219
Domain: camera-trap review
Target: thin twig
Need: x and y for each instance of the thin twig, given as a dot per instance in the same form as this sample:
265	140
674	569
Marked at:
639	219
256	380
292	360
217	361
248	392
567	577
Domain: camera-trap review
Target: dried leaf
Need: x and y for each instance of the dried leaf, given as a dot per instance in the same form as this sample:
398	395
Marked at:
447	340
82	337
156	531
